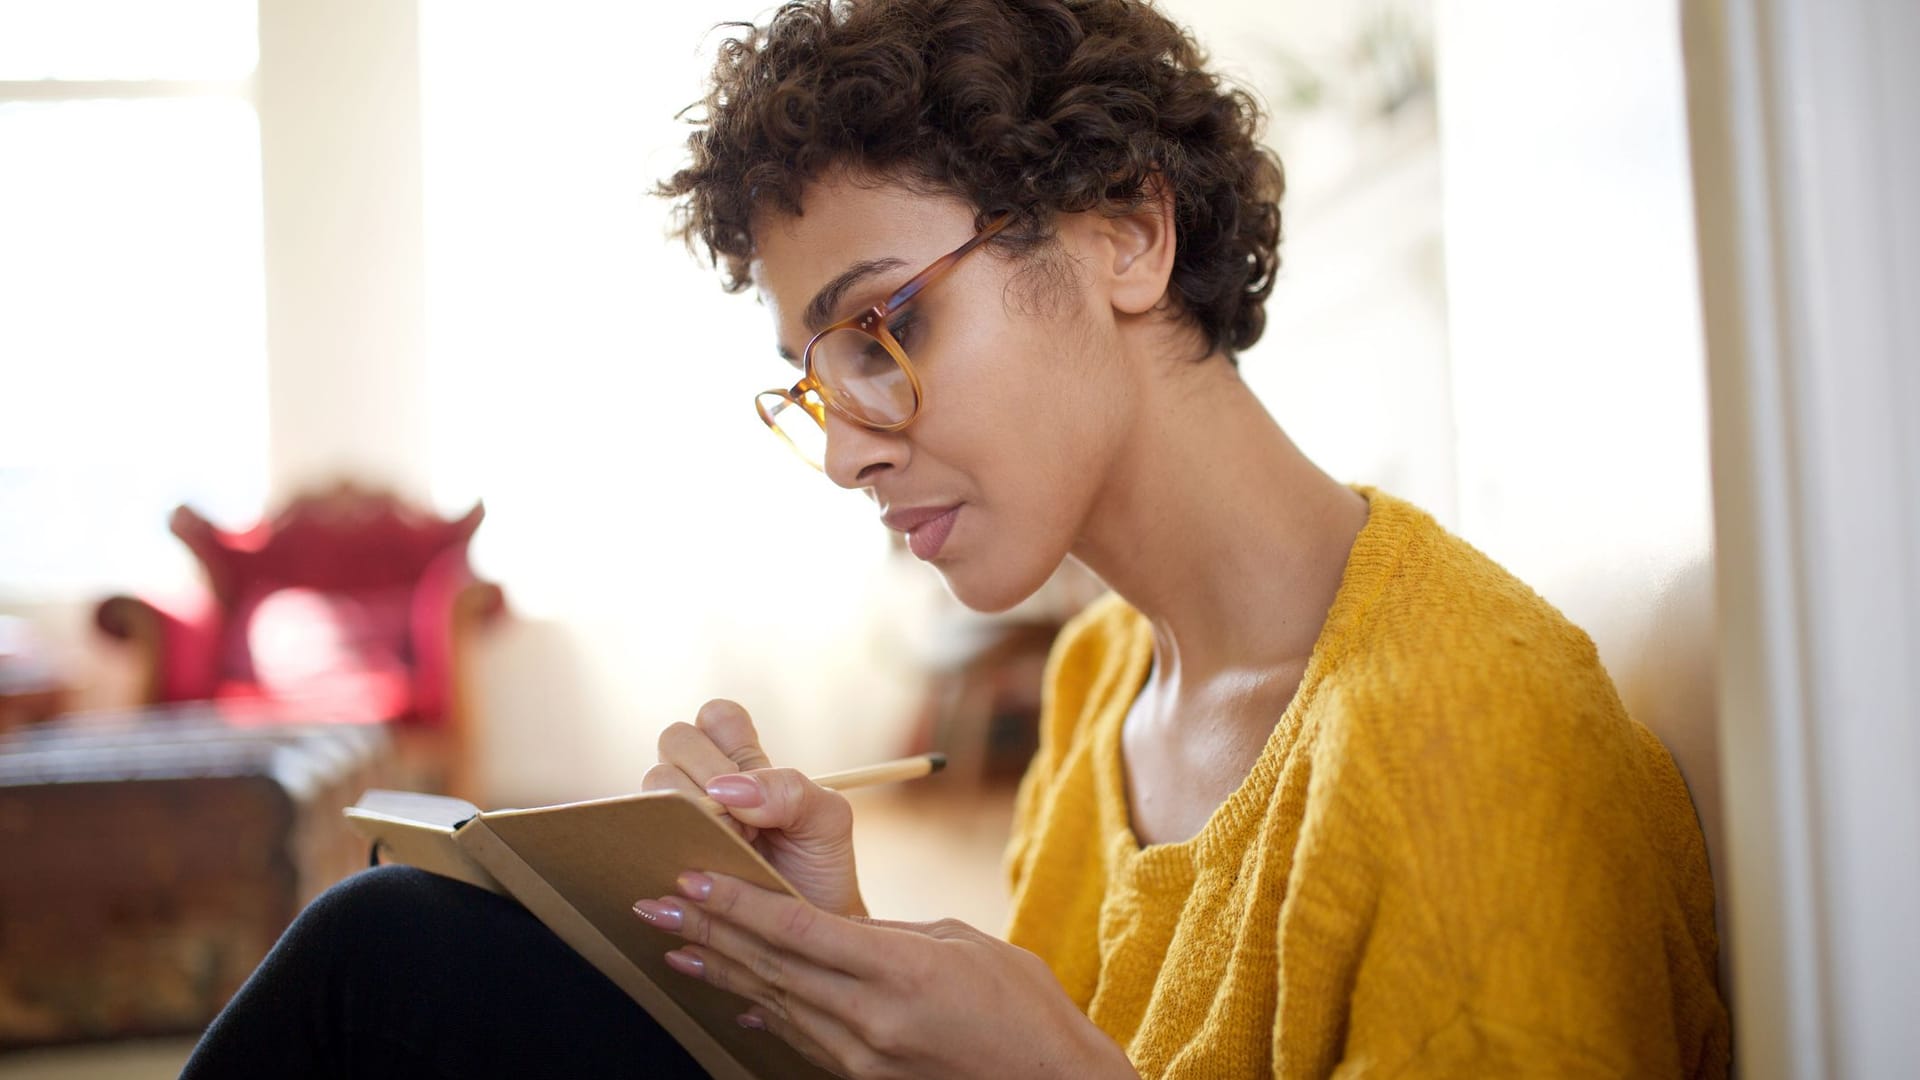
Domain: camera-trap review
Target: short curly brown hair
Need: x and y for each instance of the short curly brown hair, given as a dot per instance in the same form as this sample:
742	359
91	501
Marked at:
1040	106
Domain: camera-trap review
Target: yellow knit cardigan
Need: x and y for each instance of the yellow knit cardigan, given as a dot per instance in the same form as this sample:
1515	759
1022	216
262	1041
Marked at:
1456	855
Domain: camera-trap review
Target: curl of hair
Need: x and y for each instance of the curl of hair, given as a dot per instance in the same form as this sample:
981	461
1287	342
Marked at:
1040	106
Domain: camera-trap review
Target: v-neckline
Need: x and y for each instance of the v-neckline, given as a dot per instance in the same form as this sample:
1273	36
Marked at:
1171	863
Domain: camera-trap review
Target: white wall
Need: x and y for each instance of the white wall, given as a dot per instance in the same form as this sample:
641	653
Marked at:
1578	377
339	101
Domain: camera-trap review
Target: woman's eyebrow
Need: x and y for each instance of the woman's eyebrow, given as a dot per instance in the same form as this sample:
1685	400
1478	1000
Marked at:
820	309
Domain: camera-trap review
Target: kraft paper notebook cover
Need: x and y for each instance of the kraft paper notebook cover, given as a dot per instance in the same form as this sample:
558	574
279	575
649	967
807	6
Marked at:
578	868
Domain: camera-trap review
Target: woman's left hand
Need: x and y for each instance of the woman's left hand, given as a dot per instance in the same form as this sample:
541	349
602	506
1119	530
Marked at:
874	998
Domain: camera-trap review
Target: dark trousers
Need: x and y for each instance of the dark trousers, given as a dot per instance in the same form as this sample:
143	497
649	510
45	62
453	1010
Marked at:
396	972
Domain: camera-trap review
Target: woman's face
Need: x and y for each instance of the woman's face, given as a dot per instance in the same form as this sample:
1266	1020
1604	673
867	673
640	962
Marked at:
1023	404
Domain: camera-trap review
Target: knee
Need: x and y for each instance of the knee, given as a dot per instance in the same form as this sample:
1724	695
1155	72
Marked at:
390	914
379	893
373	909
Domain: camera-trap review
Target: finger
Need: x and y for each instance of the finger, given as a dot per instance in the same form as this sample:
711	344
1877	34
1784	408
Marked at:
834	1010
761	1018
788	1014
731	729
770	975
666	776
694	752
789	923
787	800
820	1039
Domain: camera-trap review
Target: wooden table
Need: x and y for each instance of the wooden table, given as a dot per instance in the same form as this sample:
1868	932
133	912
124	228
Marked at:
150	858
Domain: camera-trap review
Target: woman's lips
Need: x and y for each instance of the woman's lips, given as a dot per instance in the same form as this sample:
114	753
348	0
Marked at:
926	539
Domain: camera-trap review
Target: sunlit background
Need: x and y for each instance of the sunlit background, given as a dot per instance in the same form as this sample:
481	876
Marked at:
252	248
1487	306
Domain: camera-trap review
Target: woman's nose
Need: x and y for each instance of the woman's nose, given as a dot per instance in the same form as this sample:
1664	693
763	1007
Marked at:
856	456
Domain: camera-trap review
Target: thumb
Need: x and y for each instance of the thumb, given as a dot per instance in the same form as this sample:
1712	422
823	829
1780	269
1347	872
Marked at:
783	799
731	729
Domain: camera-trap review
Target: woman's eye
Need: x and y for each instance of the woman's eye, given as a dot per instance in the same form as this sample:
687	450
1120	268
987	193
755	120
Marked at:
902	327
875	359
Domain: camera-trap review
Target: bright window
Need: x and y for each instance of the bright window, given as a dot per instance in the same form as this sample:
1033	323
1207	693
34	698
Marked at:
127	39
132	346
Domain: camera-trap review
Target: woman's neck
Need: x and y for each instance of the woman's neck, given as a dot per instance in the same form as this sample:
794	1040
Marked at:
1217	528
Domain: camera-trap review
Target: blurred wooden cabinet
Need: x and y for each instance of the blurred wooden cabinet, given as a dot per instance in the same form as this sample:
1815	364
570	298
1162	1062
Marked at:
153	857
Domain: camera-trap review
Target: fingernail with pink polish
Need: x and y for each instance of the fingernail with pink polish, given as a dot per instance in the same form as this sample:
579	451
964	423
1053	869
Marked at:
686	963
735	790
664	914
698	886
748	1020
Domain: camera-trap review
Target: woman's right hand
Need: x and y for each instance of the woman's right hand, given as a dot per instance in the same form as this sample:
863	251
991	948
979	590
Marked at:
803	829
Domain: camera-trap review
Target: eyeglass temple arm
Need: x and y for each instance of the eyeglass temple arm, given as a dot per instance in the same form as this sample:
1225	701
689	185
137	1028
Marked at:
944	263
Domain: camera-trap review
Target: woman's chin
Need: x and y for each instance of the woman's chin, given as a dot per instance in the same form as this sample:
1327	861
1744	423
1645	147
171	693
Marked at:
986	591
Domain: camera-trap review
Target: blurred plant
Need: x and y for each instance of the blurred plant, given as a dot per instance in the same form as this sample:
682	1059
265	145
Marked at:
1396	53
1385	67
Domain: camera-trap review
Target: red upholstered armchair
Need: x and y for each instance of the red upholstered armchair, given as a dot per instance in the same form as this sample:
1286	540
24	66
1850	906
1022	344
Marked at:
349	605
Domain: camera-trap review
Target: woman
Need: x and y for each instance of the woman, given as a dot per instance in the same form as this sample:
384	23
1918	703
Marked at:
1320	788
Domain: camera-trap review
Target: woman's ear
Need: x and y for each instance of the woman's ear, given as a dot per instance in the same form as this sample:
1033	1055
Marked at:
1143	246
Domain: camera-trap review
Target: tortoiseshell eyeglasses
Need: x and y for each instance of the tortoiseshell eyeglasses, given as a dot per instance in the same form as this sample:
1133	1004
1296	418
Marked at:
858	367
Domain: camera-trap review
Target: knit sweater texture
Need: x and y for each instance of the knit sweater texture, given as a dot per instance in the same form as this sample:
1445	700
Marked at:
1456	855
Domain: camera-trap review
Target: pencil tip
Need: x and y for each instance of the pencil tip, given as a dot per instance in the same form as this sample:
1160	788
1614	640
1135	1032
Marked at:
935	762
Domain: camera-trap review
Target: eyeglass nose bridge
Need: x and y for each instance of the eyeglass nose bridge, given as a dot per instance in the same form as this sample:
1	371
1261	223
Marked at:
808	394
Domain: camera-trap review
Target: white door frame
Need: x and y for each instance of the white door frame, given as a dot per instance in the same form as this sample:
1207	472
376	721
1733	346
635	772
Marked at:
1805	133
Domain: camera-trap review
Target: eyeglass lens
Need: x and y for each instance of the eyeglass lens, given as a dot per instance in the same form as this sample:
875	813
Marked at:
863	377
795	425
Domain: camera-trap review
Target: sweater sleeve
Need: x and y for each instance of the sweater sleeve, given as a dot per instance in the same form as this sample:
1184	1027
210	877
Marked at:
1470	1045
1533	923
